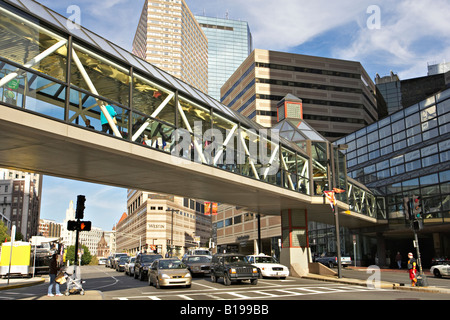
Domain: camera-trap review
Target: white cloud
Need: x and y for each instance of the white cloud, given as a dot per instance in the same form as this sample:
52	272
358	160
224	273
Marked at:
283	24
412	33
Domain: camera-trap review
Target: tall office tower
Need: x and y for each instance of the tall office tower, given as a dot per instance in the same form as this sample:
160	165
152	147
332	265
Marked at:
338	95
401	94
169	37
229	44
391	89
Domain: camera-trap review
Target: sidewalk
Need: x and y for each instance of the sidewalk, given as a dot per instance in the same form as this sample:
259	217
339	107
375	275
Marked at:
382	284
15	283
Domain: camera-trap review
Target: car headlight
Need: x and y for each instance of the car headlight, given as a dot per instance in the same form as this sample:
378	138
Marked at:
164	276
255	270
232	270
187	275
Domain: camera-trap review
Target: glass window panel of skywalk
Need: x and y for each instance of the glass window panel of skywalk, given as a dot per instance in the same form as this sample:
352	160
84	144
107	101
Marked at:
21	41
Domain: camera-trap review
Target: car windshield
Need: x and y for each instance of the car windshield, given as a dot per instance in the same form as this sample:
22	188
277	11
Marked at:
151	258
232	259
265	260
171	264
201	259
123	259
205	252
132	260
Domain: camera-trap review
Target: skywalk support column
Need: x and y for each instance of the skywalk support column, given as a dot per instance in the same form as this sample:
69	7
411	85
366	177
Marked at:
295	245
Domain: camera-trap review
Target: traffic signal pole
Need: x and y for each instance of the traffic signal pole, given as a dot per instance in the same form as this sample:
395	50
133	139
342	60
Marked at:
76	245
413	208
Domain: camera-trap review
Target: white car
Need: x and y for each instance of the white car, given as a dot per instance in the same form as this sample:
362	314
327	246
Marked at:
129	266
440	270
268	266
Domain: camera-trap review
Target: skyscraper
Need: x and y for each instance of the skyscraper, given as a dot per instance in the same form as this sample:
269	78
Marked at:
169	37
229	44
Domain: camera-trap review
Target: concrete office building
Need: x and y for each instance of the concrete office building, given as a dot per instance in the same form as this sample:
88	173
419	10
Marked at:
148	225
338	96
169	37
229	44
436	68
403	155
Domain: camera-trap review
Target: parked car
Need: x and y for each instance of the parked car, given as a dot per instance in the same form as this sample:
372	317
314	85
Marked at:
120	264
268	266
169	272
115	258
440	270
198	264
142	264
102	261
129	266
108	262
233	267
330	259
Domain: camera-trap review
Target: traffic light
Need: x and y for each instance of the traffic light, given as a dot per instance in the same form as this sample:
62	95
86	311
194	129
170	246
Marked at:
79	213
85	225
416	208
406	208
73	225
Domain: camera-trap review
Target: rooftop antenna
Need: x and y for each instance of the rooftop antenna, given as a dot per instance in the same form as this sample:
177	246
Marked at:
226	15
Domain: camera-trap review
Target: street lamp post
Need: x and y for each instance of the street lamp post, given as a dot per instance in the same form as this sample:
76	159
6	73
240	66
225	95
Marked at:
171	231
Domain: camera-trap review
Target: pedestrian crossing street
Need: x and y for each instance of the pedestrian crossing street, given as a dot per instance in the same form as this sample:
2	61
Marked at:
250	294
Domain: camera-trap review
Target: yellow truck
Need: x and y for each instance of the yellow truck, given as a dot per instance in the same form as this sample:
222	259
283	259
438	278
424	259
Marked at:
20	261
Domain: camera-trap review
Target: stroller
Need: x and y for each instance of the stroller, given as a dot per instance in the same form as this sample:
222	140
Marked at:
74	282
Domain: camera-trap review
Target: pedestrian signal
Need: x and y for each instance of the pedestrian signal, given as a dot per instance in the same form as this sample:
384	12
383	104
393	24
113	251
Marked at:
79	225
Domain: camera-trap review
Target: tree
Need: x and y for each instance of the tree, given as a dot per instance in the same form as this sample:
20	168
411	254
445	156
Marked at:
85	258
4	233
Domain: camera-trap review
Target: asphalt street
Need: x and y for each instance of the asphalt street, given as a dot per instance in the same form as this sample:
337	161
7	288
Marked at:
106	284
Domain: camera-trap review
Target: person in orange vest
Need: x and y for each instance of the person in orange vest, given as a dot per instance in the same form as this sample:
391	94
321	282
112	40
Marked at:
412	269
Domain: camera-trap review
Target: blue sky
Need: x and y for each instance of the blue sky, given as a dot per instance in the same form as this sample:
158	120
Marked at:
384	35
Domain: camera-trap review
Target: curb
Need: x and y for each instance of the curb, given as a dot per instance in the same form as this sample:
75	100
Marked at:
21	284
383	285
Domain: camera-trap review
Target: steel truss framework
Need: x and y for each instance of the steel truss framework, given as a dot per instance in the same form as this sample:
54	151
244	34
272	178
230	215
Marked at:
77	76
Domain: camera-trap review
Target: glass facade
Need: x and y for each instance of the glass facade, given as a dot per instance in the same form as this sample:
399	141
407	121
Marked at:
406	154
229	44
392	93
